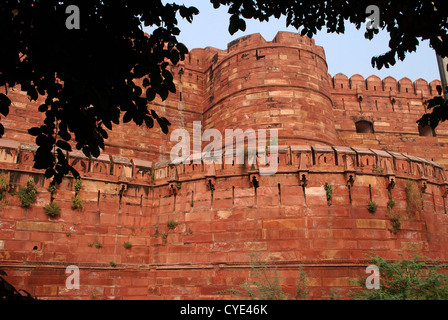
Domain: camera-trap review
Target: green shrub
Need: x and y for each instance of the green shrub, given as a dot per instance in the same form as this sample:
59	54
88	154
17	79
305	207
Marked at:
77	186
77	203
4	185
266	284
414	279
394	218
172	224
329	192
302	288
113	264
414	198
98	245
395	223
52	209
52	189
390	204
372	206
164	236
127	245
27	194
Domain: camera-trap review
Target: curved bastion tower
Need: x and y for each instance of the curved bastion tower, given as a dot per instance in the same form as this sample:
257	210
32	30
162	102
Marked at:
153	229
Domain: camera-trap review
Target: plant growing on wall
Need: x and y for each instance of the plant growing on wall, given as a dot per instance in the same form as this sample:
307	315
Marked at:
302	287
372	206
394	218
77	203
266	284
153	174
4	185
127	245
52	209
414	198
52	190
329	192
27	194
172	224
413	279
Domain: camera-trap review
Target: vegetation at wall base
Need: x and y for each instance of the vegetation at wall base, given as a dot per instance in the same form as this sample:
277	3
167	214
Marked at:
417	278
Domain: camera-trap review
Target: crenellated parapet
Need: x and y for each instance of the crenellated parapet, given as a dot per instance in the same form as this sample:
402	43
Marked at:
373	84
292	160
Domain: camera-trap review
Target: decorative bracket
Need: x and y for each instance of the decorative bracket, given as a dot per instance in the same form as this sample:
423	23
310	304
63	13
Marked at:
254	173
210	177
254	179
423	184
122	182
303	171
390	175
445	189
349	170
173	181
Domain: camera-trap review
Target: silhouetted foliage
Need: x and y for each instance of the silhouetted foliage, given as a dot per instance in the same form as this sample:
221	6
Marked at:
439	111
90	77
8	292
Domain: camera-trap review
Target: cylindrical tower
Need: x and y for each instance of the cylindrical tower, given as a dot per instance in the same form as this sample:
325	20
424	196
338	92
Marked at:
282	84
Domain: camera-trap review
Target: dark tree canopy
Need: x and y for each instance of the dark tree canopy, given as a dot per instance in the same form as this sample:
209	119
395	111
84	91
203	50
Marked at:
89	75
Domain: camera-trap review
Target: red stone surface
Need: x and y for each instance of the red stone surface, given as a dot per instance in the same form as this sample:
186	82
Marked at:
254	84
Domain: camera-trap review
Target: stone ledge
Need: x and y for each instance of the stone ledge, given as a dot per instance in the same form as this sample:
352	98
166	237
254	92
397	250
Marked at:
39	226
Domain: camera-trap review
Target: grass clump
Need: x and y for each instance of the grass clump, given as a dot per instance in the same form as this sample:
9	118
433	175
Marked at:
414	197
77	202
172	224
372	206
52	209
328	192
27	194
4	185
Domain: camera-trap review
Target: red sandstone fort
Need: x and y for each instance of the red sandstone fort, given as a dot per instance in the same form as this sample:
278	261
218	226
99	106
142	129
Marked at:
358	135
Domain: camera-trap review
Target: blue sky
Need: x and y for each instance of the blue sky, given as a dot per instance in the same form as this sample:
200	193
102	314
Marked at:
347	53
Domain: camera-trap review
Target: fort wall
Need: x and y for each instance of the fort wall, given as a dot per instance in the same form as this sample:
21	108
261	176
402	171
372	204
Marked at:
226	211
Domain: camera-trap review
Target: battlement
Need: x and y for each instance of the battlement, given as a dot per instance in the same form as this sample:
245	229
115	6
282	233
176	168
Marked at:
295	160
420	87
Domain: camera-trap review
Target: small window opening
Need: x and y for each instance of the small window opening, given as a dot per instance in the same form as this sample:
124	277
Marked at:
364	126
426	131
